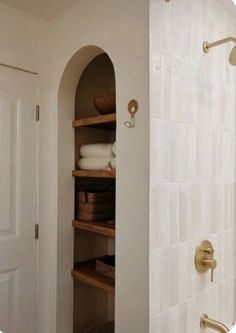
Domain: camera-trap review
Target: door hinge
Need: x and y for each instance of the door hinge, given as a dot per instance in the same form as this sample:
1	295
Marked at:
37	112
36	231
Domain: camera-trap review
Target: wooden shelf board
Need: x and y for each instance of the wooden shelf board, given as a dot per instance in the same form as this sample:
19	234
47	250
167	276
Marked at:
86	273
94	174
98	121
101	228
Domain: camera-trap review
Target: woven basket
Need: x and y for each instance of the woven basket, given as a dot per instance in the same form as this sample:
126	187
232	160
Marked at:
107	328
96	197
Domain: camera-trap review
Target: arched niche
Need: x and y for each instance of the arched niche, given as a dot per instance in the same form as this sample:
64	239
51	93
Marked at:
90	72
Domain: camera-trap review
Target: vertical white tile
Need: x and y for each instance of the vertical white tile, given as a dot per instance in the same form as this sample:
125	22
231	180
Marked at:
160	148
173	275
166	78
191	152
178	149
183	318
228	255
180	20
204	95
197	33
173	320
194	313
219	254
184	92
183	271
164	322
227	210
155	325
215	155
221	206
159	282
174	228
204	154
213	200
155	85
206	218
161	26
159	216
183	211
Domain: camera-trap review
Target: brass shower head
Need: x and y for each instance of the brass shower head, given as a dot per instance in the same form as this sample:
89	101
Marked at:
232	59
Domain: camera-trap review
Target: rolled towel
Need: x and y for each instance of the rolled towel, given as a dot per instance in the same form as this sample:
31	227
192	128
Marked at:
114	149
94	164
113	163
101	150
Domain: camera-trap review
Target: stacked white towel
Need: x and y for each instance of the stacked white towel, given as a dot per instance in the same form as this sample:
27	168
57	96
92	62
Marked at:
89	163
114	149
97	150
98	156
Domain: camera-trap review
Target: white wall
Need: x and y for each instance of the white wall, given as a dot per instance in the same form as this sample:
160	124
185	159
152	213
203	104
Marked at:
192	163
20	38
121	29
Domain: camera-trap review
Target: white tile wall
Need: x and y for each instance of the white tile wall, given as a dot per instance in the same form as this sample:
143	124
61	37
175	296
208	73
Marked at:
192	163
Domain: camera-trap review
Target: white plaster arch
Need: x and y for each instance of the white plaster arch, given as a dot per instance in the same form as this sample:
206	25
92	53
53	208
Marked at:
65	239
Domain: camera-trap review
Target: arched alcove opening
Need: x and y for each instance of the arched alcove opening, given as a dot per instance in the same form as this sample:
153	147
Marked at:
90	299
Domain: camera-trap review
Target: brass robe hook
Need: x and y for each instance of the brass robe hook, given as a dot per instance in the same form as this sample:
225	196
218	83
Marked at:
132	109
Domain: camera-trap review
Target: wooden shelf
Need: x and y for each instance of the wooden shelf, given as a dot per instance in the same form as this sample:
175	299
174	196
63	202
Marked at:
94	174
104	121
86	273
100	228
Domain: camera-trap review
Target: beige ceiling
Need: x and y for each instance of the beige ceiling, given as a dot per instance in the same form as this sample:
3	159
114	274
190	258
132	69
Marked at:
45	9
50	8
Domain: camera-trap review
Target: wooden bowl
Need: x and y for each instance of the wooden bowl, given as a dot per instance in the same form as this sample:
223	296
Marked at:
105	104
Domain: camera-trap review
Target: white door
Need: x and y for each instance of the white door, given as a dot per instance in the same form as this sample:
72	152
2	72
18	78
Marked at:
18	200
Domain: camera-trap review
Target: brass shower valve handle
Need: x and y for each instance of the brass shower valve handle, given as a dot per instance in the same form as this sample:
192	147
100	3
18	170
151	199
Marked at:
209	251
210	264
204	258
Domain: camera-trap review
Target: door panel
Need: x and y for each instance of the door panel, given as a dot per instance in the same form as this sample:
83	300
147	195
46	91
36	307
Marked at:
8	299
9	164
18	200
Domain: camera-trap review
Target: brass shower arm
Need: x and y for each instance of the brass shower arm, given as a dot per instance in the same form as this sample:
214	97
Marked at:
207	45
206	322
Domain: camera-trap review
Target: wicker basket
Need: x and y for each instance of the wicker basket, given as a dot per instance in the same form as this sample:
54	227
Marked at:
96	217
96	197
106	266
96	208
107	328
